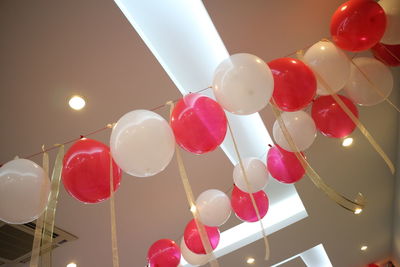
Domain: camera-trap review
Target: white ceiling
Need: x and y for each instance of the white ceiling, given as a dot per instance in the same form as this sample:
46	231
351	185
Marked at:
50	50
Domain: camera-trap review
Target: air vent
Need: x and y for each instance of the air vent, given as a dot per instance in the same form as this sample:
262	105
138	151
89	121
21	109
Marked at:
16	241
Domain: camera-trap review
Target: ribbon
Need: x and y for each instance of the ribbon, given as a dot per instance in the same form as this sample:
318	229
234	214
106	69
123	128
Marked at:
114	243
355	120
39	222
250	189
49	216
192	203
355	206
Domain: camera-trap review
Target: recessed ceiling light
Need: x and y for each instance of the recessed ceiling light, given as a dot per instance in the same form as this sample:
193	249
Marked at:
77	102
250	260
347	142
72	264
364	248
357	210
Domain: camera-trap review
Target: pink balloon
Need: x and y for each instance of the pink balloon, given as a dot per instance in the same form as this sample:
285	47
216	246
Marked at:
284	166
199	123
164	253
193	240
243	207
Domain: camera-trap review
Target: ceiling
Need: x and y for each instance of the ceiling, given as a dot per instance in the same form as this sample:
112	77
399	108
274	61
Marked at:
50	50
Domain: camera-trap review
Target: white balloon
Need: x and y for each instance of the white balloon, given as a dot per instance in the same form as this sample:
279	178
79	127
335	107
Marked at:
256	172
330	63
142	143
360	90
193	258
24	191
301	128
243	84
392	11
214	207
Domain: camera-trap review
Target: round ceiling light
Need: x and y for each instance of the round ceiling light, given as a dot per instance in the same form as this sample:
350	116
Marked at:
72	264
347	142
77	102
250	260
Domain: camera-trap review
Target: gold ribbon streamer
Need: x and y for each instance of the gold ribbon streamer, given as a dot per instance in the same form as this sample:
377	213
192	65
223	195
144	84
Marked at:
355	206
250	189
355	120
49	217
34	262
114	242
192	203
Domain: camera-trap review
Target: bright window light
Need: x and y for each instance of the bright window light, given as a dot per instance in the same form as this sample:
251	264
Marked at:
77	102
313	257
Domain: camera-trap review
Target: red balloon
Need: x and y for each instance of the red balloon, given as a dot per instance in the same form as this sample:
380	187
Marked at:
243	207
164	253
199	123
294	84
284	166
358	25
388	54
86	171
330	118
193	240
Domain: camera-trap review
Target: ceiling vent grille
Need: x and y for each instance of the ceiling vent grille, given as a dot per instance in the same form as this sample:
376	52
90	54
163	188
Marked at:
16	241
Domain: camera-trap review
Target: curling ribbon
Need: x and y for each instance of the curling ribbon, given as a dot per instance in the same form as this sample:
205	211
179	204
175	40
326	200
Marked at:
355	120
250	189
49	217
191	201
355	206
39	222
114	243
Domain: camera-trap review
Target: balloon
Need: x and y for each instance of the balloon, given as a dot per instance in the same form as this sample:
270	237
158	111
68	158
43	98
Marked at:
388	54
142	143
199	123
284	166
193	258
363	90
243	84
243	207
256	172
193	240
24	191
330	63
392	11
86	171
164	253
294	84
358	25
214	207
330	118
301	128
